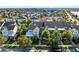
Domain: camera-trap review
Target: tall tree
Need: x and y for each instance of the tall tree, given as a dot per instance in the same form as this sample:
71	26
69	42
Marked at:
26	22
67	36
45	33
24	25
55	38
56	35
23	41
2	39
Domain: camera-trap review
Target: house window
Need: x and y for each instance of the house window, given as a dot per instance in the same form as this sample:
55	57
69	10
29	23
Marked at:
43	24
0	32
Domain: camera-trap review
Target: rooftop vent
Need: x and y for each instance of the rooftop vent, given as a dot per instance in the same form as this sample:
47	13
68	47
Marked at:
71	26
34	24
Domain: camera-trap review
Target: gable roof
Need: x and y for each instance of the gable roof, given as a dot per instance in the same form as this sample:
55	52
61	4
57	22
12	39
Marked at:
57	24
53	24
9	25
1	23
34	24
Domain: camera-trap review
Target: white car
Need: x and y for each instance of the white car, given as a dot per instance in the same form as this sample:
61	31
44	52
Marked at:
77	49
0	49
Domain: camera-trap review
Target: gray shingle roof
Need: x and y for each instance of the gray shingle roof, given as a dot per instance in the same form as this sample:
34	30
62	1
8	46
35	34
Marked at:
53	25
9	25
1	23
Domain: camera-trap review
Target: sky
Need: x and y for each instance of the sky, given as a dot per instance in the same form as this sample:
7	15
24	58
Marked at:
39	3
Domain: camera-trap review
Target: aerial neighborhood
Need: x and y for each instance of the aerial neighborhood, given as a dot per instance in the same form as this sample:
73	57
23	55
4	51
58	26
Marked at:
39	29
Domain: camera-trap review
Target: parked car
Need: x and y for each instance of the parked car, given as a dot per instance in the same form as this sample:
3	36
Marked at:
77	49
56	50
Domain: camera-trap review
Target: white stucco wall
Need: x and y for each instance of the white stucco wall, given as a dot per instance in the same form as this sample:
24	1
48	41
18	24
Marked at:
75	33
7	32
36	31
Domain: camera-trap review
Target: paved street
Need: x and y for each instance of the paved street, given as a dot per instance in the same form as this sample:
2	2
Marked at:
15	50
23	50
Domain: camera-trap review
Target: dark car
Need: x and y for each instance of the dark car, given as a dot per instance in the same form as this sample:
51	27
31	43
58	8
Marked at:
56	50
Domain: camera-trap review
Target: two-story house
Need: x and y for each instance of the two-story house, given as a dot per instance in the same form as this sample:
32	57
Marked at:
33	31
53	25
9	30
